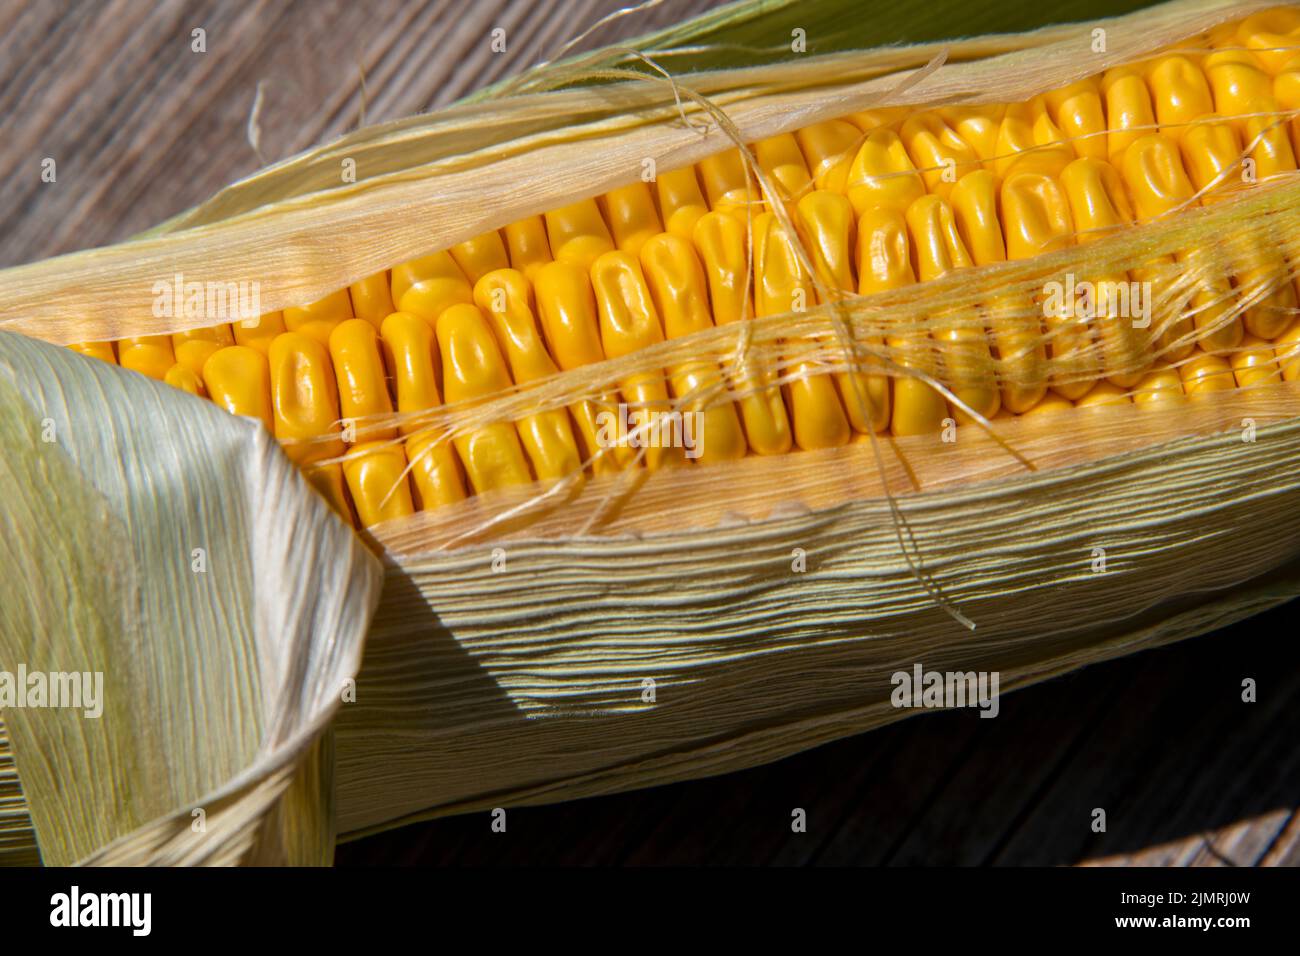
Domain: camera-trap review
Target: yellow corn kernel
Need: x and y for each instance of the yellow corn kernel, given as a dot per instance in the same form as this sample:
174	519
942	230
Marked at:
479	256
472	367
1212	153
827	222
1029	140
578	233
631	214
359	368
1052	404
1224	35
937	150
372	298
1286	86
528	245
150	355
938	250
978	127
1179	94
1017	333
100	350
1273	35
1159	387
1099	206
375	472
239	379
1129	113
178	376
193	348
974	203
411	356
676	282
305	404
304	396
629	322
1036	219
1241	89
728	184
1288	352
1104	393
1212	156
781	285
435	474
410	352
681	201
720	241
1274	151
258	333
867	120
566	308
1204	373
503	295
782	160
1077	110
829	149
430	285
1158	184
885	264
319	318
1255	363
882	175
1286	93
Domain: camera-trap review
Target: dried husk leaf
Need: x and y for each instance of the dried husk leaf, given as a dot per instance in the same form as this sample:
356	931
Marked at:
218	683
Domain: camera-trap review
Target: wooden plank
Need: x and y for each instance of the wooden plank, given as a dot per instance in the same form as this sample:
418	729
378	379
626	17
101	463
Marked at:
1285	850
141	127
1180	754
930	747
1243	843
1014	757
750	816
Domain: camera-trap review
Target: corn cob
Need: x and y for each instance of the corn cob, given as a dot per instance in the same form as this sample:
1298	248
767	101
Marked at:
869	203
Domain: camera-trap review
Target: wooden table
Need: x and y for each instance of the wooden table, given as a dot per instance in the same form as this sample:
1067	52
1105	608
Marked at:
141	127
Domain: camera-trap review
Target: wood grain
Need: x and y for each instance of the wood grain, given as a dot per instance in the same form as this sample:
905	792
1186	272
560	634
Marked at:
141	127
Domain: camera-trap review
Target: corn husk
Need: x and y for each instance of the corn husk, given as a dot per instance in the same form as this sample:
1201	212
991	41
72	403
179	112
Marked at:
173	549
613	633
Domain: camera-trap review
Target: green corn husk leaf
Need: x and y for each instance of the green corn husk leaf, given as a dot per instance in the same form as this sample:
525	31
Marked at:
747	34
484	688
155	540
